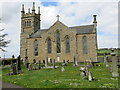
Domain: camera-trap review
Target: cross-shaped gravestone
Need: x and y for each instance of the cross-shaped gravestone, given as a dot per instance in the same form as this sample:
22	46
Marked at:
58	17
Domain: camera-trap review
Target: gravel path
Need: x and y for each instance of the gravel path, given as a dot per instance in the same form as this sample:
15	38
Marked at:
9	85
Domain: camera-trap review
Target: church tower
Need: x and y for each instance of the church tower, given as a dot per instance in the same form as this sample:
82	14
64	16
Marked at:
30	23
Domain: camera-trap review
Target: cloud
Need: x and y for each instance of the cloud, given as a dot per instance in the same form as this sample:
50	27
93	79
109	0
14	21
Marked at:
71	14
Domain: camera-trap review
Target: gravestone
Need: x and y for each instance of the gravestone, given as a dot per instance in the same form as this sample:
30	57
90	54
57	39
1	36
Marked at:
90	77
86	70
53	63
63	61
62	69
67	62
114	64
33	66
46	62
64	64
14	69
74	62
29	67
43	61
105	60
26	62
82	71
39	67
34	61
50	61
18	64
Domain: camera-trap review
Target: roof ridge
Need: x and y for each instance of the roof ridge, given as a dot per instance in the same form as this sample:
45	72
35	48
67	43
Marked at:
82	25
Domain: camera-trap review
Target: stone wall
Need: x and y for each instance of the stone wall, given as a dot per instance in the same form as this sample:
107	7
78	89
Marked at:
109	59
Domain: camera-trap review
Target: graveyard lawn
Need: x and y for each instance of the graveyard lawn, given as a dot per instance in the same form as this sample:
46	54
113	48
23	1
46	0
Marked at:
55	78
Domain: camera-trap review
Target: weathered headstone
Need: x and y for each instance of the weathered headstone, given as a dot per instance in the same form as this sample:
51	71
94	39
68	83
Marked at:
74	62
82	71
90	77
86	70
43	61
33	65
34	61
62	69
67	62
26	62
64	64
18	64
105	60
46	62
63	61
14	69
53	63
114	65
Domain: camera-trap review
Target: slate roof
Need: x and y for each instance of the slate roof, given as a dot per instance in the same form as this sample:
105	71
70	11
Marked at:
87	29
38	33
83	29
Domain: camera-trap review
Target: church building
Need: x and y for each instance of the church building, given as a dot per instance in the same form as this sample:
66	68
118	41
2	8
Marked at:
58	42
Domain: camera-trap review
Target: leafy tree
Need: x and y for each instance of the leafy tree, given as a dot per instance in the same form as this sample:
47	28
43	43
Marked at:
3	42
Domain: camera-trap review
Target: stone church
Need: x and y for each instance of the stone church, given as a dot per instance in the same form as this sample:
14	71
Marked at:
58	42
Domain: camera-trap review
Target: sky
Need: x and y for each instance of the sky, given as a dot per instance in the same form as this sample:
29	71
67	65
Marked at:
71	12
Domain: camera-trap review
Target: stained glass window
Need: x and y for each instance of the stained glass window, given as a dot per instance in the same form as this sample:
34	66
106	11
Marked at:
49	46
67	44
58	44
36	48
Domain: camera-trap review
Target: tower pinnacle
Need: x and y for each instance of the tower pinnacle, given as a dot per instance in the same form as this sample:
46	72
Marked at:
58	17
33	8
94	19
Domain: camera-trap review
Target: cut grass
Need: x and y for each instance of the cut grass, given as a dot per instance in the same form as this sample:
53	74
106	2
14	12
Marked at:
50	78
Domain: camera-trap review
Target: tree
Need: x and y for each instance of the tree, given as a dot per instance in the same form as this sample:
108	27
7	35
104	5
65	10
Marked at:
3	42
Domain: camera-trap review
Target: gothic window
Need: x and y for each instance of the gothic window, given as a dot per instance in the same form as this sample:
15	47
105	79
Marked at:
36	48
58	45
84	41
67	42
25	24
49	46
29	23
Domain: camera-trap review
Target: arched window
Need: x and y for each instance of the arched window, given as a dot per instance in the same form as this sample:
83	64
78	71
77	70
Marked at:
84	41
36	48
29	23
25	23
67	42
58	45
49	46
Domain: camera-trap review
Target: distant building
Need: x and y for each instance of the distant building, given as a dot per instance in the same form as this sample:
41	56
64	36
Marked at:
58	42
